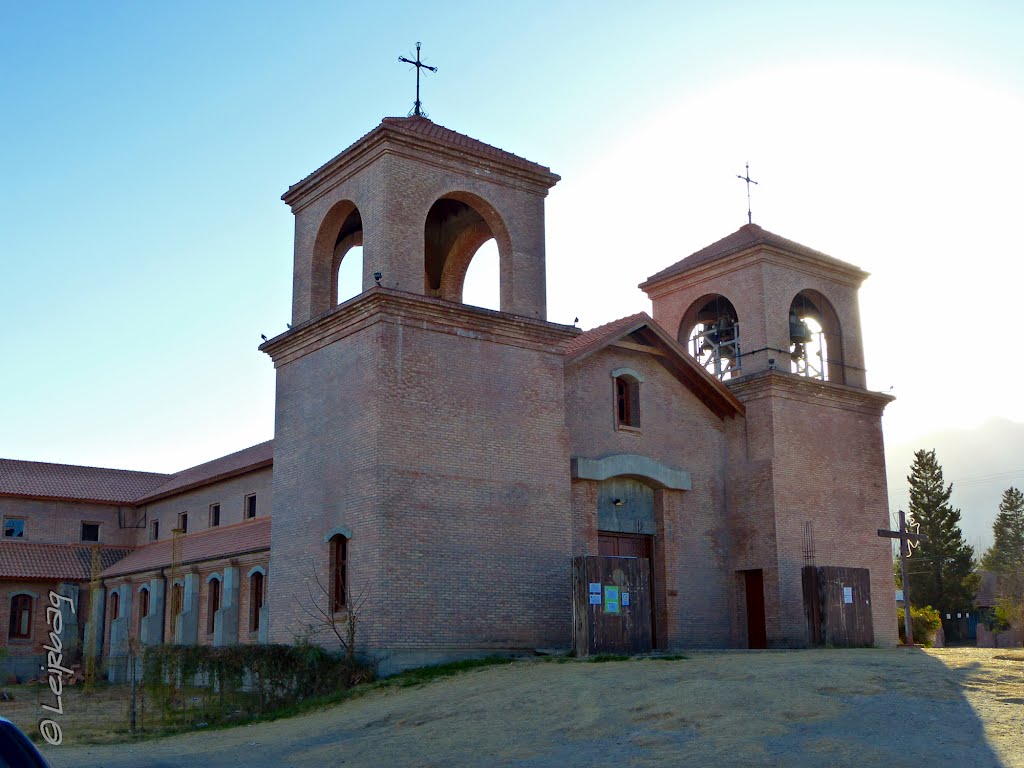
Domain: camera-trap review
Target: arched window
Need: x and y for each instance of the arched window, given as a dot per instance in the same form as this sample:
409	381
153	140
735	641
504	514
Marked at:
815	340
256	600
710	330
21	617
143	604
115	605
627	398
212	603
339	572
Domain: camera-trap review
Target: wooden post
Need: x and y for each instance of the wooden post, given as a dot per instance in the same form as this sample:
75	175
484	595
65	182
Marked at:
905	537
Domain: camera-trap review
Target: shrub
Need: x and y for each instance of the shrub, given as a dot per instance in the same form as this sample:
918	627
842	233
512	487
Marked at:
925	622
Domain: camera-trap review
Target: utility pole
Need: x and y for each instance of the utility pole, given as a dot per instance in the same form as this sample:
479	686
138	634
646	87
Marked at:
906	539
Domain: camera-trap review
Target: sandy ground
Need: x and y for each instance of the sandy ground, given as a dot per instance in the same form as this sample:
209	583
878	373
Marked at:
791	708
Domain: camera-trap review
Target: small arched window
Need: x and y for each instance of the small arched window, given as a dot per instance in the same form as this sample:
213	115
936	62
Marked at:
21	617
256	600
627	398
213	603
143	603
115	605
339	572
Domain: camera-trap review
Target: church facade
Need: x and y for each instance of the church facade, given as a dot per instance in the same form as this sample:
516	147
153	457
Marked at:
436	467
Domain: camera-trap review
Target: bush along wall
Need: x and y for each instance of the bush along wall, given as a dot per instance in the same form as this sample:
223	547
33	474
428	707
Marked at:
196	684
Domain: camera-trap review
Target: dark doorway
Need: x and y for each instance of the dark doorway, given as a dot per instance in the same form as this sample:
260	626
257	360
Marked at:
757	634
614	544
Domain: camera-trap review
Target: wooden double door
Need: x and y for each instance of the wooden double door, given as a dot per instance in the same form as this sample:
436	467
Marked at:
614	544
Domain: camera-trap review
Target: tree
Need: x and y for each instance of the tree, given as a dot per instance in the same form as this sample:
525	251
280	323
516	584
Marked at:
942	568
1007	552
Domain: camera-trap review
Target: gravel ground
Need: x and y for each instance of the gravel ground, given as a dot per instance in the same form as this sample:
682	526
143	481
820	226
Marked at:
889	708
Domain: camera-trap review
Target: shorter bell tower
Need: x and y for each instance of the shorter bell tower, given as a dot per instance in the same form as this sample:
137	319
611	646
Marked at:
779	324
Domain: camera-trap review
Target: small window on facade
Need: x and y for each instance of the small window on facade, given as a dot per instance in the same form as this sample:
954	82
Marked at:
627	401
255	600
250	506
213	605
143	606
14	528
183	522
21	617
154	532
214	515
90	531
115	605
339	572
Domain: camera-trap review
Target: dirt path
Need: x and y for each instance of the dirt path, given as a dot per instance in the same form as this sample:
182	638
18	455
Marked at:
796	708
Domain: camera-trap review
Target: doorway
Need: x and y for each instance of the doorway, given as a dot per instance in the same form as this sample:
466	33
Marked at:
615	544
757	634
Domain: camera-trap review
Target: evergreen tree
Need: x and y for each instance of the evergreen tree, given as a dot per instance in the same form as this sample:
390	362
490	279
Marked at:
942	568
1007	553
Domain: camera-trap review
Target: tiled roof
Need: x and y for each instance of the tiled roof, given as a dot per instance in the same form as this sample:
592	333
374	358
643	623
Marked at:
422	126
246	460
66	481
209	544
53	562
595	337
747	236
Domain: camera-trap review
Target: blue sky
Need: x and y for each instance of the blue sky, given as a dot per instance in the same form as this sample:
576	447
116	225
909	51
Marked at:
144	247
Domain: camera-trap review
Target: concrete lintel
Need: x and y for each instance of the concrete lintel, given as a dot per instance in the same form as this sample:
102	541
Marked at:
338	530
631	465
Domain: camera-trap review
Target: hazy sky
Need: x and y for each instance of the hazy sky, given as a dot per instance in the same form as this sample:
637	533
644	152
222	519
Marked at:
145	146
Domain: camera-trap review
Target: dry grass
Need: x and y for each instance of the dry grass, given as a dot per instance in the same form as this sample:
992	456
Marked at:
797	708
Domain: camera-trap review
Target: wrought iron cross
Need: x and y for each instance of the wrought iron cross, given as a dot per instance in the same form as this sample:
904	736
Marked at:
749	181
907	539
416	110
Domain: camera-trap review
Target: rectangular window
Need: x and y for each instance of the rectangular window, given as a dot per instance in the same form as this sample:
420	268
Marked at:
90	531
154	533
214	606
214	515
627	402
143	606
14	528
183	522
250	506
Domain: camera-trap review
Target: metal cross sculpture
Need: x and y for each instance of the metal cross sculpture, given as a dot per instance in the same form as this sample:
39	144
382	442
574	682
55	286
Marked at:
417	110
749	181
907	540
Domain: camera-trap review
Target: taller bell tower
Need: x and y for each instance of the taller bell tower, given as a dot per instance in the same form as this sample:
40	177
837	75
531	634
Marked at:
409	476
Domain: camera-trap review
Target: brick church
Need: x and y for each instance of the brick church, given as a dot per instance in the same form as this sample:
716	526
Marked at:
443	464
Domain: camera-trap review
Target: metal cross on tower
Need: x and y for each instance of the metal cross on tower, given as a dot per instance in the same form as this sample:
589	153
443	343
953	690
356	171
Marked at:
416	110
906	539
749	180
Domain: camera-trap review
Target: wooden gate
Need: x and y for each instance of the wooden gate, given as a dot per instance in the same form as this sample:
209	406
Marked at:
611	605
837	605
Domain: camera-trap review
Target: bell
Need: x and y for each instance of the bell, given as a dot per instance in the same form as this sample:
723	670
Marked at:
799	333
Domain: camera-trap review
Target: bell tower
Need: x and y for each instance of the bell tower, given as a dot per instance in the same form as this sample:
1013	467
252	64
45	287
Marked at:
420	199
406	433
779	324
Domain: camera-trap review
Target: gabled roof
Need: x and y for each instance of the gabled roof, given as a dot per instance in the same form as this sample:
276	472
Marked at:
53	562
246	460
210	544
645	332
424	128
40	479
747	236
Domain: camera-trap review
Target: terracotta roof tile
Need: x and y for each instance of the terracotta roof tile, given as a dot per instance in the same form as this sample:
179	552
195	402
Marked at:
423	126
747	236
67	481
53	562
210	544
596	336
236	463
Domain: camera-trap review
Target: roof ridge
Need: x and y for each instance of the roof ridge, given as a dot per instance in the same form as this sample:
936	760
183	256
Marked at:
88	466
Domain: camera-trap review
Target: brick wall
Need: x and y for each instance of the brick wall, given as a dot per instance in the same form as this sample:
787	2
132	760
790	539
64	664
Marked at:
60	522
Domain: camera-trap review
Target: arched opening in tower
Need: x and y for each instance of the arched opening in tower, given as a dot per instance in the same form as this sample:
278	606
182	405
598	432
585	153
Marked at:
461	254
347	261
710	330
814	338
